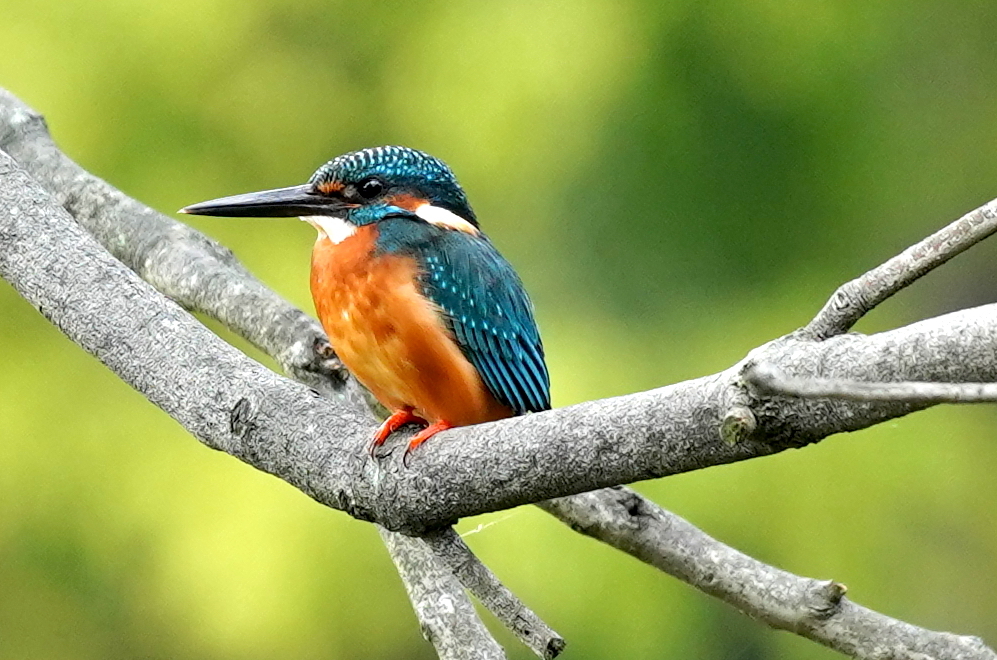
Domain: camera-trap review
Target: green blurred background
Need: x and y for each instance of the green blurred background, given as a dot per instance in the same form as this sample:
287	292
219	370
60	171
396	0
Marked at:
676	182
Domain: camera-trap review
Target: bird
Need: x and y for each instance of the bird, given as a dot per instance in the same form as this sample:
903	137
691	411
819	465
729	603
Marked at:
416	300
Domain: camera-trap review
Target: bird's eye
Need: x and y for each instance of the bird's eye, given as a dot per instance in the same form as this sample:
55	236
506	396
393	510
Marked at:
370	187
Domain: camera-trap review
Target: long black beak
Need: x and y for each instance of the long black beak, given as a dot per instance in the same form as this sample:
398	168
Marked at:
279	203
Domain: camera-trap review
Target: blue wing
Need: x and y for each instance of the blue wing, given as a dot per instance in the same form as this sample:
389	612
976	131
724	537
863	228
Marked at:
490	315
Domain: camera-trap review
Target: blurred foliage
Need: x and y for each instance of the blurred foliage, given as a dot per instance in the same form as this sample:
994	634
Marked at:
676	182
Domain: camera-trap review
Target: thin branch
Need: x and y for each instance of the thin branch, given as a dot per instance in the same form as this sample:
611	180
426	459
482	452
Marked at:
446	614
854	299
172	256
768	380
814	609
500	601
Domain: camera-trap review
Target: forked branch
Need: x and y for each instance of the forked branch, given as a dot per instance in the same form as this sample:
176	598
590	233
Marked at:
856	298
446	614
234	405
494	595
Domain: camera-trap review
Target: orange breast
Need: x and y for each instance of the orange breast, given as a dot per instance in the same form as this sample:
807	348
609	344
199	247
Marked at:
390	337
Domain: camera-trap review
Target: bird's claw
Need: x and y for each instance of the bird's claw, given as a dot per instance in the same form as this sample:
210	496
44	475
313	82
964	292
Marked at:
398	419
422	436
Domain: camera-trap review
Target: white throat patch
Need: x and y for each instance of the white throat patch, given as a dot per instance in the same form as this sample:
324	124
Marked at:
441	217
336	230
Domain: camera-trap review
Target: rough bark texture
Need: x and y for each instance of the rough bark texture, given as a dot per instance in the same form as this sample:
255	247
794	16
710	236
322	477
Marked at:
235	405
199	273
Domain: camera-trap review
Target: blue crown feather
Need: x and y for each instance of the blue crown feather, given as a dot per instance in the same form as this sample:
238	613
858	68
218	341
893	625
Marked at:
401	167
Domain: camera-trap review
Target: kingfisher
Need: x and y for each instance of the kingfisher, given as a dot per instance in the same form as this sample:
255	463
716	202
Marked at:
417	302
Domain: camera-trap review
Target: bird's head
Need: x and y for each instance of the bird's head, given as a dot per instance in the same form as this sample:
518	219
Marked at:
361	188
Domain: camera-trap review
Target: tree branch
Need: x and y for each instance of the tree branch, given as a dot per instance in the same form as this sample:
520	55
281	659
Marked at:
445	613
755	425
501	602
198	273
767	380
814	609
856	298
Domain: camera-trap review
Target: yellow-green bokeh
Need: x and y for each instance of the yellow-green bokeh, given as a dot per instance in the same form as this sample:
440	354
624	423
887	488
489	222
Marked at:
676	183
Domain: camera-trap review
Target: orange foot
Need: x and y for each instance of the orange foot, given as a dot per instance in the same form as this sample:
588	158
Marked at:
398	419
423	435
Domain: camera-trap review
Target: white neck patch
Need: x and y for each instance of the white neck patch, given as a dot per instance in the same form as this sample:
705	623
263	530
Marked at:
336	230
441	217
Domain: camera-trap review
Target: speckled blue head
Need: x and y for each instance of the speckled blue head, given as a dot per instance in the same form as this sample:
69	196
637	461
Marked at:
362	187
393	173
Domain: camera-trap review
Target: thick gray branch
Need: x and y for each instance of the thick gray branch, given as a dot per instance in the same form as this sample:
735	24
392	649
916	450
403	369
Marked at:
814	609
854	299
767	380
